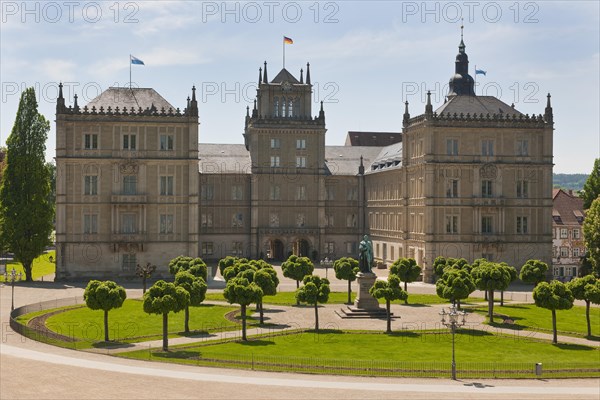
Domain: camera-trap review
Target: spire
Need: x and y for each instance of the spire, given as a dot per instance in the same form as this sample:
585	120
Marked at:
193	108
461	83
361	167
259	76
75	105
60	101
247	111
548	116
301	75
254	110
308	73
193	93
321	112
428	106
265	79
406	114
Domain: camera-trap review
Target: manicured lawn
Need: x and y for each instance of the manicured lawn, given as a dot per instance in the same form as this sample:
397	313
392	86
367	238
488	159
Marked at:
41	266
531	317
131	322
289	299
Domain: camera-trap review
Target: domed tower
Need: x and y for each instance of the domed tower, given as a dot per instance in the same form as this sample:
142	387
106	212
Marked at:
461	83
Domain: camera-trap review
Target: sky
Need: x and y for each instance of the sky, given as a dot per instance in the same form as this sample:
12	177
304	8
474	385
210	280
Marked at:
366	59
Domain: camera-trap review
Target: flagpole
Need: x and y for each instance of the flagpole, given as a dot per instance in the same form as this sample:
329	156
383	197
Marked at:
130	71
475	81
283	43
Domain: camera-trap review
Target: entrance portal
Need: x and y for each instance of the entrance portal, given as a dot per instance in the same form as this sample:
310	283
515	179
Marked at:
301	248
276	250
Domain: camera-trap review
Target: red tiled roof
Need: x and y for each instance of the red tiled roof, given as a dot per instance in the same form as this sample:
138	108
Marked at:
567	208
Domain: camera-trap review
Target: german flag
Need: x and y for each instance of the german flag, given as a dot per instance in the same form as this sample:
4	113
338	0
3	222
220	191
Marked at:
287	40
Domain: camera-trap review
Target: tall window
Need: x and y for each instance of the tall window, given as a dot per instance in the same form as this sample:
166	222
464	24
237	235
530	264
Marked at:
290	111
452	188
166	186
237	192
273	220
237	249
564	252
207	249
301	192
564	233
330	248
301	162
329	220
452	147
237	220
576	252
129	262
487	147
129	142
275	143
206	220
351	221
522	189
352	193
166	142
128	223
523	147
522	225
275	192
275	161
300	220
130	184
166	223
486	225
486	188
451	224
300	144
90	185
329	192
90	223
276	107
207	192
90	141
576	233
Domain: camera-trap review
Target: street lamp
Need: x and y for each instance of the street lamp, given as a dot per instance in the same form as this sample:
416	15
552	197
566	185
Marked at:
453	322
13	278
327	263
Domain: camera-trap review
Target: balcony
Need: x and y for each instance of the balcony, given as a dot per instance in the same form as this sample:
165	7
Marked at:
128	237
129	198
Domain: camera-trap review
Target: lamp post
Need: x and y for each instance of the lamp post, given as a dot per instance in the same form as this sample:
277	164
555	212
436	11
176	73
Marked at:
327	263
453	322
13	278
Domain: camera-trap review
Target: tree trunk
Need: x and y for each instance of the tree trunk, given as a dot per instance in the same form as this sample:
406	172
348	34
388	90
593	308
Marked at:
389	317
458	304
491	306
349	292
144	283
587	316
406	290
486	295
453	302
186	320
502	298
262	315
106	325
297	287
165	331
27	266
244	322
316	317
554	336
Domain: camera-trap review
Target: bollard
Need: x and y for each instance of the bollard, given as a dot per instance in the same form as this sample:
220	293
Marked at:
538	369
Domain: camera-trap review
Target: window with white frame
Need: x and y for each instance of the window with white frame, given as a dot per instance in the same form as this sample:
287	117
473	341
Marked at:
576	234
276	107
451	223
564	233
237	192
564	252
452	188
486	224
90	185
129	142
301	192
275	162
487	147
576	252
130	184
166	223
452	147
129	262
90	141
128	223
275	192
206	220
275	143
166	185
90	223
300	144
207	249
522	225
486	188
329	248
166	142
300	162
522	189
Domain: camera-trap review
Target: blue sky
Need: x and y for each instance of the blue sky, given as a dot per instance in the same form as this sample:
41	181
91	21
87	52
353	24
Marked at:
366	59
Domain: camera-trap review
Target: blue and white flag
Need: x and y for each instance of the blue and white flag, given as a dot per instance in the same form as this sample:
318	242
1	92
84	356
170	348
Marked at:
480	72
136	61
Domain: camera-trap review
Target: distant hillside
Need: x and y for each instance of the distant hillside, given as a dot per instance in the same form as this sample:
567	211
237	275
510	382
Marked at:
569	181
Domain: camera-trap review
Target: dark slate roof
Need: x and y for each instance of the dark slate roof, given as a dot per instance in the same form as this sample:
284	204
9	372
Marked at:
130	97
356	138
567	208
345	160
476	105
223	158
283	76
389	157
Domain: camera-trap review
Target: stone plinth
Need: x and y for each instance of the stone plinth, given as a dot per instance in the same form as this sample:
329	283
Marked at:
364	300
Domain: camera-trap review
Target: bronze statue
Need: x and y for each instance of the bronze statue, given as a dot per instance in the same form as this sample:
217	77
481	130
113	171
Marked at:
365	256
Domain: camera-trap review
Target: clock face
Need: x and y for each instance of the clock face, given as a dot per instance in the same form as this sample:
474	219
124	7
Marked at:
286	86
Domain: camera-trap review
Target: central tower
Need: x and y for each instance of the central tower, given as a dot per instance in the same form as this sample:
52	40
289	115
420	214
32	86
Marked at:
287	152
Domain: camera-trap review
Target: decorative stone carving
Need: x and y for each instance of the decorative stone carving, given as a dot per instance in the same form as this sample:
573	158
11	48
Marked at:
489	171
129	168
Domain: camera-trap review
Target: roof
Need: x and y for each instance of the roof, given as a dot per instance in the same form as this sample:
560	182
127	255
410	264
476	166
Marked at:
283	76
388	157
345	160
567	208
476	105
356	138
216	158
130	97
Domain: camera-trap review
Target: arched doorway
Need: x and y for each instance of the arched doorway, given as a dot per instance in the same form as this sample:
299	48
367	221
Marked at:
301	248
276	250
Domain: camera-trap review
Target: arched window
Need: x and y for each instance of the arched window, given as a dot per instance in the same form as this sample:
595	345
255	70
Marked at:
283	107
276	107
290	108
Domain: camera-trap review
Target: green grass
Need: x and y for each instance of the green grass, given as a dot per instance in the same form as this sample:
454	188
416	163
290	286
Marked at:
367	353
531	317
41	266
289	299
131	323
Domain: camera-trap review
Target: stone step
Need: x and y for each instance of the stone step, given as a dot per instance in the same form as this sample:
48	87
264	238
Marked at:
354	312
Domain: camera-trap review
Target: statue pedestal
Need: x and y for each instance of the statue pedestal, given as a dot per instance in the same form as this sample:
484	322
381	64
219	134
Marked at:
364	300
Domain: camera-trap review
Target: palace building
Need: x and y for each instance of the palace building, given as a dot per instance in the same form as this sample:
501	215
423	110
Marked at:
471	179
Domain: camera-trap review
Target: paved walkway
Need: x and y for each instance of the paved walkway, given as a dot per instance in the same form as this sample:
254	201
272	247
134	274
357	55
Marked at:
36	370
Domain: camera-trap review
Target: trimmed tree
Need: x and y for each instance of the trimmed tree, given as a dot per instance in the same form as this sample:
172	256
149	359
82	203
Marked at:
389	290
26	214
591	187
243	292
196	288
407	270
591	234
586	288
455	285
163	298
533	272
238	268
315	290
490	277
104	296
438	266
266	279
513	277
228	262
195	266
145	272
346	269
553	296
297	268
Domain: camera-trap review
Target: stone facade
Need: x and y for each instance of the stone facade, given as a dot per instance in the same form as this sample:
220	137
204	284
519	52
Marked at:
472	179
567	234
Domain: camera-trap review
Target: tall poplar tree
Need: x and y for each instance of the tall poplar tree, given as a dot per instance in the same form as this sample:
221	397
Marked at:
26	213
